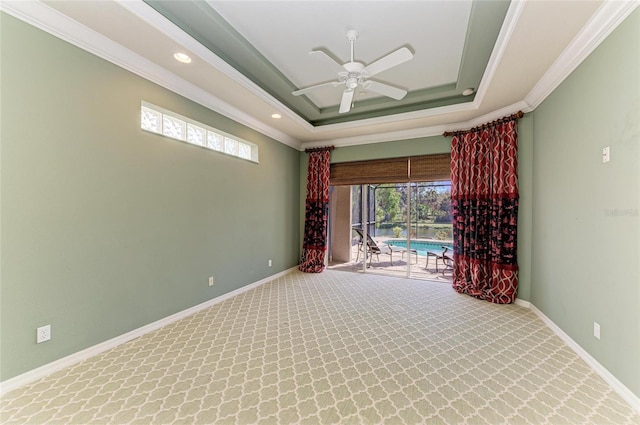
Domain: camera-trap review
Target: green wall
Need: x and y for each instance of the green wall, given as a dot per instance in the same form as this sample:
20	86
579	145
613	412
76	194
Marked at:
395	149
106	228
525	205
586	243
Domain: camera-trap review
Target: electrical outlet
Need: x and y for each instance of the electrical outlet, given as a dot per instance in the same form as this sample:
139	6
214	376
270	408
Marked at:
596	330
270	263
606	154
210	280
43	334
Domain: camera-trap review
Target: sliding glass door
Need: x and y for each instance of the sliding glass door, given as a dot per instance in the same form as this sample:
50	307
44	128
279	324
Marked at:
391	215
398	228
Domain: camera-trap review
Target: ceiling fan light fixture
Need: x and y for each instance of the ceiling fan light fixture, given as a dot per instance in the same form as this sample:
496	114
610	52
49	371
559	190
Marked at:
356	74
468	92
182	57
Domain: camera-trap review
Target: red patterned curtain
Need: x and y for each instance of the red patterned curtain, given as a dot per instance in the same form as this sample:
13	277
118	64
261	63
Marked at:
314	244
484	197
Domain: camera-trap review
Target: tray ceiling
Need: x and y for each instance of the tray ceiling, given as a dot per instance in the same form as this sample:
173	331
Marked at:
268	42
248	56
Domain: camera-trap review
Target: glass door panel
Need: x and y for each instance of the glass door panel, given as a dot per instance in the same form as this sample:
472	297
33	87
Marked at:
403	222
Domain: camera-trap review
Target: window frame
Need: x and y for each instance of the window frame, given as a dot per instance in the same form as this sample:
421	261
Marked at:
209	133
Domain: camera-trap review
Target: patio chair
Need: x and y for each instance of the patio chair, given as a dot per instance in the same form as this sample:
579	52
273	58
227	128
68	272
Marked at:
373	248
413	251
447	261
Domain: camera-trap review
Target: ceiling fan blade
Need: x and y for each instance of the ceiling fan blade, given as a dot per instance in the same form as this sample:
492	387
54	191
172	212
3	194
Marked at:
392	59
317	86
385	89
329	55
345	103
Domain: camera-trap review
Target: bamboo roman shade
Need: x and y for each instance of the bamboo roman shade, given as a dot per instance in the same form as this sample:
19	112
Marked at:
392	170
430	168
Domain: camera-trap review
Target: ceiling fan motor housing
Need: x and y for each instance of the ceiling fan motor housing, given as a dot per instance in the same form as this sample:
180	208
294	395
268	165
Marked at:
354	75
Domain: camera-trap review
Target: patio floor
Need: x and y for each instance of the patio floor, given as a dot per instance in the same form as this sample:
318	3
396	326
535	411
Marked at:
382	265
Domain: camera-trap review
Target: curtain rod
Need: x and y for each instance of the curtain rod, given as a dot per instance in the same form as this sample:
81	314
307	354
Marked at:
321	149
512	117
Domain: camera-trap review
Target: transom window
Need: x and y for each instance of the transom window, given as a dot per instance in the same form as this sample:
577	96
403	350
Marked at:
166	123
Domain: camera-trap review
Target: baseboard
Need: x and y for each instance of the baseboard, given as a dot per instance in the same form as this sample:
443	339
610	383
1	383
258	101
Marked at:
617	386
70	360
42	371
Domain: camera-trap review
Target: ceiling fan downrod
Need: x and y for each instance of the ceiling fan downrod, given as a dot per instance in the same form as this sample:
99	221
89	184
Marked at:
352	36
354	69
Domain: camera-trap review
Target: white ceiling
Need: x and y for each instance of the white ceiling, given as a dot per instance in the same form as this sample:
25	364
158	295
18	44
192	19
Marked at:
383	27
539	44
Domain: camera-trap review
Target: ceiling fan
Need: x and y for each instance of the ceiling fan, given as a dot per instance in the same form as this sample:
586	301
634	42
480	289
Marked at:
357	74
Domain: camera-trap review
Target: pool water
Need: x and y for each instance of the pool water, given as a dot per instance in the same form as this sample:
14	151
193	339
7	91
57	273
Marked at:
421	246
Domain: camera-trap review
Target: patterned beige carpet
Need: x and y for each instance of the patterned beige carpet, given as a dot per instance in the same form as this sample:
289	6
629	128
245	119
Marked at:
333	348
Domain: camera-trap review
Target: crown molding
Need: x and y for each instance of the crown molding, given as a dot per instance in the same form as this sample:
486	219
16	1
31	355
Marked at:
158	21
508	26
57	24
155	19
41	16
602	23
414	133
425	113
491	116
38	14
417	133
504	36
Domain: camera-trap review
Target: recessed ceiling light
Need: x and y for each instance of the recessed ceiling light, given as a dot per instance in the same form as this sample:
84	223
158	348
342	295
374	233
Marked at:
468	92
276	116
182	57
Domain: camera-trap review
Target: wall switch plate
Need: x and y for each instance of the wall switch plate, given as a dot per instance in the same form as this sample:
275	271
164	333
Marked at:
210	280
596	330
270	263
43	333
606	154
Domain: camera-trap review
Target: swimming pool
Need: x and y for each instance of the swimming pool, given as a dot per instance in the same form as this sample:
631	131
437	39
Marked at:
422	246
